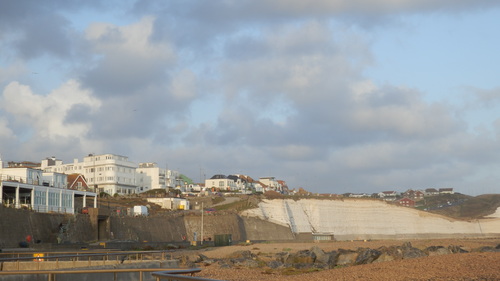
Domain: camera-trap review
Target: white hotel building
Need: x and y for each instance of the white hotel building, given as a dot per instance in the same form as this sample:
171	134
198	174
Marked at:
115	174
108	173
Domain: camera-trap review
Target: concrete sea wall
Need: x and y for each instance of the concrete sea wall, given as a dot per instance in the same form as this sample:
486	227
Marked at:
17	224
367	219
173	229
272	220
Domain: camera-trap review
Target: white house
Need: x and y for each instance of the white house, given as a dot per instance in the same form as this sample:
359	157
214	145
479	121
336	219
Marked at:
388	195
220	183
446	191
271	183
150	176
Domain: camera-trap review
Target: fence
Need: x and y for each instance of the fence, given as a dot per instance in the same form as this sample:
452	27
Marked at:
158	273
97	274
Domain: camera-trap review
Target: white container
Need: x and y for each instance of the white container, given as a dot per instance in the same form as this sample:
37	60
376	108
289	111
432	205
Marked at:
140	211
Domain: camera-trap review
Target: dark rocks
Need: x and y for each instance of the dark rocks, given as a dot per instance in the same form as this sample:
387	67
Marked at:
242	254
457	249
242	262
487	249
321	256
317	259
437	251
205	260
275	264
346	257
409	252
366	256
332	259
304	256
282	256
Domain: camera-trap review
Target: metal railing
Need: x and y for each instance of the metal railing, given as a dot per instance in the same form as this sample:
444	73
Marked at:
171	275
158	273
40	258
97	258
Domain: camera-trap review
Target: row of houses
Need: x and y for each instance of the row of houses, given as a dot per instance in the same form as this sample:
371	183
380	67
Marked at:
34	184
244	184
116	174
410	193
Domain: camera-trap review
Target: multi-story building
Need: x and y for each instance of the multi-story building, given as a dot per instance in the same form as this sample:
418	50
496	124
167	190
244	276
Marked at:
34	189
150	176
108	173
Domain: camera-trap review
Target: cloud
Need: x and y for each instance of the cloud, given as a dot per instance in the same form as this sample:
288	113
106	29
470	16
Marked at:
269	88
5	131
46	114
183	85
126	61
35	29
402	112
11	71
208	18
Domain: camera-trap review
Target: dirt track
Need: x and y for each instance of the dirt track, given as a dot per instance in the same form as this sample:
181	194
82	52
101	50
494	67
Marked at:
469	266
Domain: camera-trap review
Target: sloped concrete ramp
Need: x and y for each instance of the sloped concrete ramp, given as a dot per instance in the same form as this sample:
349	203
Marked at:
368	219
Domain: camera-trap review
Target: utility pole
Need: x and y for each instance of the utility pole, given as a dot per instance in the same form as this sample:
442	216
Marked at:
201	241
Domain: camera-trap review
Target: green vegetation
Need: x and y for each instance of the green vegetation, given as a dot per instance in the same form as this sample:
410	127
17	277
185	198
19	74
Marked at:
217	200
241	205
463	206
155	192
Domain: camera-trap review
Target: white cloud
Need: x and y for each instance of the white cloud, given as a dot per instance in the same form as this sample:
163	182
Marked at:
134	39
5	131
279	88
8	73
46	114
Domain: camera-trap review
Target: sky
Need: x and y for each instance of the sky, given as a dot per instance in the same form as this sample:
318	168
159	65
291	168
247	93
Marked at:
333	96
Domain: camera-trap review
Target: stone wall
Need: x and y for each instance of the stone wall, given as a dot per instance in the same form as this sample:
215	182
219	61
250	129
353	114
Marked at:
151	229
17	224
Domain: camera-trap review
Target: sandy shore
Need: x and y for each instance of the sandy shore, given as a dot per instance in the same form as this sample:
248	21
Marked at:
468	266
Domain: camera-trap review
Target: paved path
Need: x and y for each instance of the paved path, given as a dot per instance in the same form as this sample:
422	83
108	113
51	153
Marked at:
228	200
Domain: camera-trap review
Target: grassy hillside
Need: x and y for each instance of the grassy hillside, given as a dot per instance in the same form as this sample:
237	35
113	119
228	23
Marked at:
463	206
